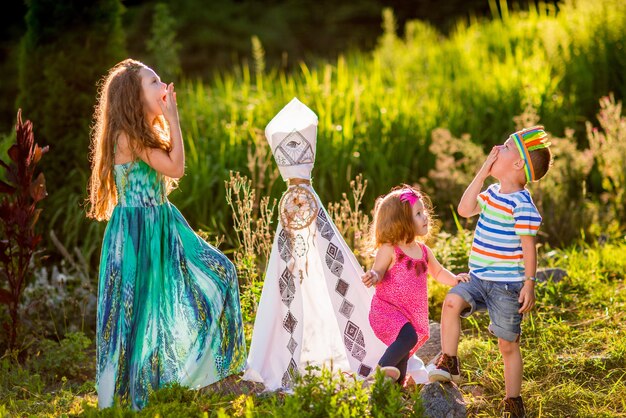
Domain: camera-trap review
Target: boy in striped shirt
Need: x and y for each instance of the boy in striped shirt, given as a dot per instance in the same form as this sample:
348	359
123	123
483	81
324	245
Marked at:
503	259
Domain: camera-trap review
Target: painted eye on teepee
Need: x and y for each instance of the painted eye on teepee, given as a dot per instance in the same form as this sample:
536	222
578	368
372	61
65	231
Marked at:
293	144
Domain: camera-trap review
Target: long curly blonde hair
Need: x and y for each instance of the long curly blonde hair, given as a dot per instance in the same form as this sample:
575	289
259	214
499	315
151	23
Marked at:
119	109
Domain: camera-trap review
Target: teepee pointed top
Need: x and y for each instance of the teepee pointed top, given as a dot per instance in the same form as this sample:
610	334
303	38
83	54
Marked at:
292	135
295	115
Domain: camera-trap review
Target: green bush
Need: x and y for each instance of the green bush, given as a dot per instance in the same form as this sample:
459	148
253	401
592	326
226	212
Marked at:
317	394
68	358
18	382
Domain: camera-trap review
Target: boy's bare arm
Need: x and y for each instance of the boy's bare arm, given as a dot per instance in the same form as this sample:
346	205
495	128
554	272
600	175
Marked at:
468	206
527	294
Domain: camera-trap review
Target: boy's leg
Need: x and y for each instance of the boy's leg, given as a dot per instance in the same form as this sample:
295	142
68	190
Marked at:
453	306
512	358
503	307
462	300
447	366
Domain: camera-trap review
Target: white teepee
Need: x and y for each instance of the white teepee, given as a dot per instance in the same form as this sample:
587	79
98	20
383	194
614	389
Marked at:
314	308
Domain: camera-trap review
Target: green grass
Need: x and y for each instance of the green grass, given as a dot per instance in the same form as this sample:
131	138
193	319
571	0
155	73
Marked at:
377	110
573	346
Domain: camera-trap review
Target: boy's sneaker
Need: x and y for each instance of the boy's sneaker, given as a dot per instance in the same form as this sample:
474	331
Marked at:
513	408
446	369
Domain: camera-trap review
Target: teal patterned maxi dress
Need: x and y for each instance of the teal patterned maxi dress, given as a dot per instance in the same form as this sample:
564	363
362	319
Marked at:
168	302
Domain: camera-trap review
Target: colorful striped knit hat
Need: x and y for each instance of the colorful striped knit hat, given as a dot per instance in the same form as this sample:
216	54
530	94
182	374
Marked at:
527	140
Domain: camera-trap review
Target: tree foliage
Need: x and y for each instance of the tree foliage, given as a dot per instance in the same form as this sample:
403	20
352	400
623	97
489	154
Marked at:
67	47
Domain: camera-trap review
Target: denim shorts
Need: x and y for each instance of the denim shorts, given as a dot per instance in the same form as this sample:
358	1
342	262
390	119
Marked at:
500	299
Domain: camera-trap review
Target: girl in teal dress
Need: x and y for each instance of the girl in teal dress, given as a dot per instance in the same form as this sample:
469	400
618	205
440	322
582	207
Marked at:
168	302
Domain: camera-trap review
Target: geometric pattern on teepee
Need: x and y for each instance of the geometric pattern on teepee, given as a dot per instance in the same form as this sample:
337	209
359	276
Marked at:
294	149
290	322
358	352
284	245
353	338
290	374
334	259
346	308
287	287
348	342
324	226
342	288
291	346
365	370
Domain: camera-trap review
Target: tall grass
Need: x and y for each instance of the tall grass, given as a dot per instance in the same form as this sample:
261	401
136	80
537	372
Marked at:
377	111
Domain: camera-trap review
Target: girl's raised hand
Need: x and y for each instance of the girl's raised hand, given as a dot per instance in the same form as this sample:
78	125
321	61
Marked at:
168	106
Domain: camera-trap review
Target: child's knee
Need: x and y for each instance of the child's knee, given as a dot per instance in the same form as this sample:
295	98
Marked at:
508	347
454	304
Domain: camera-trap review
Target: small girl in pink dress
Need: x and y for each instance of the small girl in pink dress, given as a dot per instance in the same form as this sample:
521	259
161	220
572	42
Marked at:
399	311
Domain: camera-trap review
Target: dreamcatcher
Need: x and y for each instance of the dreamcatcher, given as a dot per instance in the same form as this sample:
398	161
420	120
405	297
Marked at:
298	208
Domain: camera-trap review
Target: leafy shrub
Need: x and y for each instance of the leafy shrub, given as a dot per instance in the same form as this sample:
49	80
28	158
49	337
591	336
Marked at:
173	400
318	394
17	381
67	358
608	146
456	162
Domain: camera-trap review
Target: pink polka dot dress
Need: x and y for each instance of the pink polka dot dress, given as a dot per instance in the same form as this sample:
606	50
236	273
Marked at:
402	297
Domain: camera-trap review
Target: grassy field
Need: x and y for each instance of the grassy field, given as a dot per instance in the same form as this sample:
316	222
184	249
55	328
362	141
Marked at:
378	110
573	346
418	109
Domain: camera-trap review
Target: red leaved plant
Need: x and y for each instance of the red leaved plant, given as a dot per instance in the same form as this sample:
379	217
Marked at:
19	196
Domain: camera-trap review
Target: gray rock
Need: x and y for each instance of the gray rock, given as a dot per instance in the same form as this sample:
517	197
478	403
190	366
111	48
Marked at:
443	400
552	274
